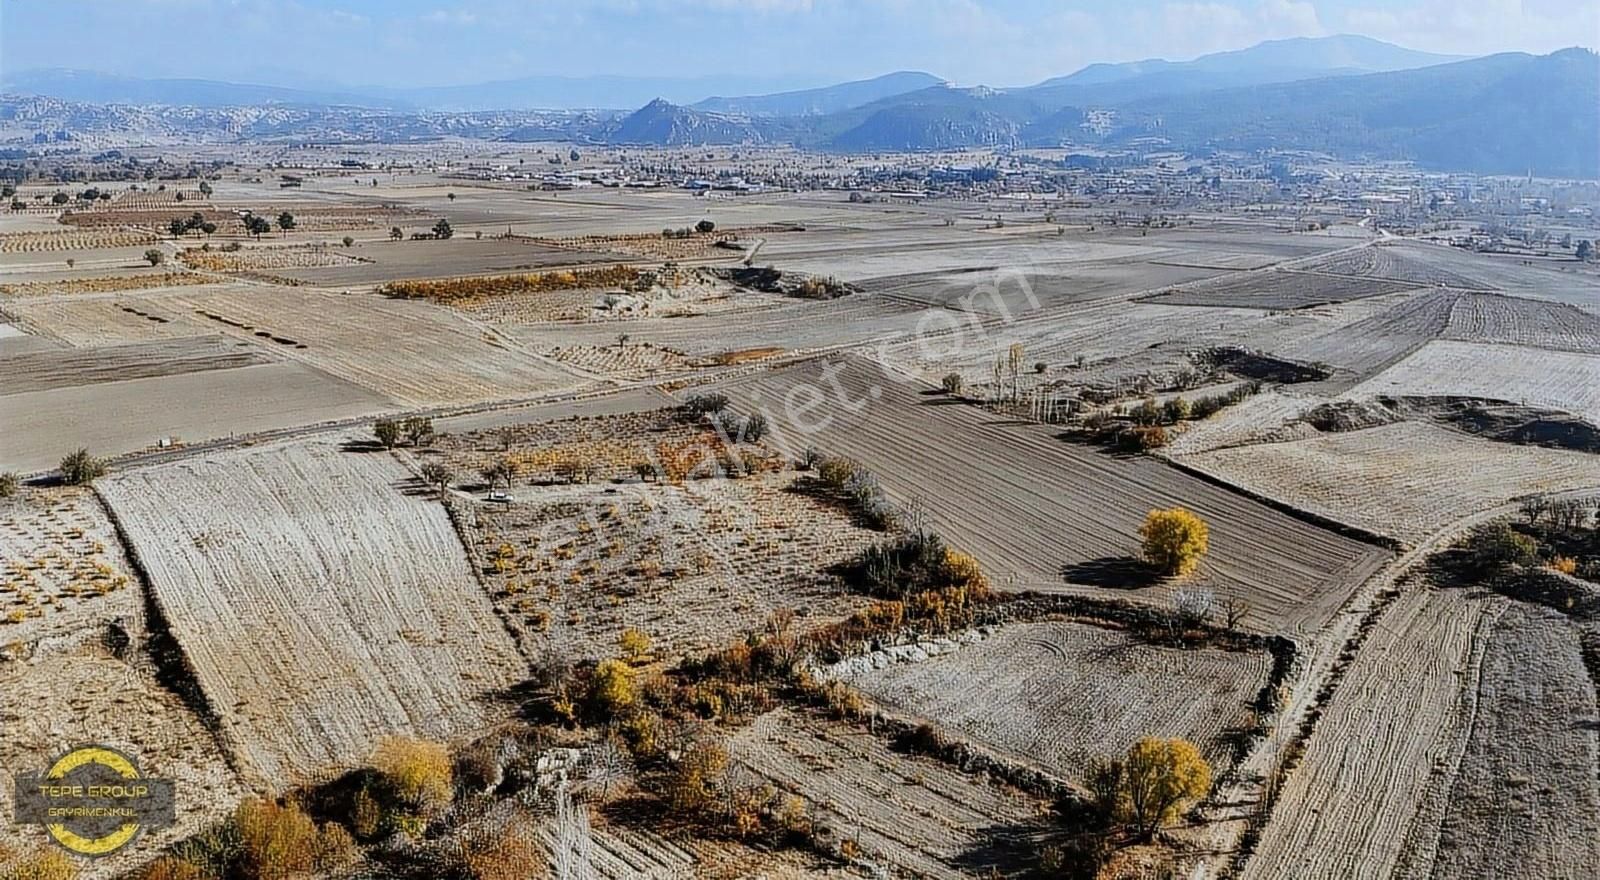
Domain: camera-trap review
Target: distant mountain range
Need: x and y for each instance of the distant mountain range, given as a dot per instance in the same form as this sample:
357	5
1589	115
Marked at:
1347	96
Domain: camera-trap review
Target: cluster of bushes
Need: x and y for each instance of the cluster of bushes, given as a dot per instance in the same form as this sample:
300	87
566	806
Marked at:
704	227
262	840
1144	427
409	783
853	485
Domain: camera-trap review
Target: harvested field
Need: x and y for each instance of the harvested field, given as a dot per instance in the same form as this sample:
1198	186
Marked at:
94	321
71	240
1525	802
1062	695
412	352
61	565
113	418
1391	263
320	605
1268	417
69	367
907	814
85	695
1406	480
1357	806
383	262
1517	374
1040	513
1277	290
114	284
308	217
1480	317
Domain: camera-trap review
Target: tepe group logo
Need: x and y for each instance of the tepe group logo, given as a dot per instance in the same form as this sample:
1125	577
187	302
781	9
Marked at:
93	800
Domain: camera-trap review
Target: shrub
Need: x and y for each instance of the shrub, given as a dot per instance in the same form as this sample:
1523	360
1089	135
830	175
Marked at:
952	383
170	868
1176	410
1146	413
1564	564
755	427
508	854
418	429
705	404
705	226
613	690
280	840
43	864
420	771
155	257
809	458
1174	540
693	783
1143	439
635	644
9	484
80	468
1497	546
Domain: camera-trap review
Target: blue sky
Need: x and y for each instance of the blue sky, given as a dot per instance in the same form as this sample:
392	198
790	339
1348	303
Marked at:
792	42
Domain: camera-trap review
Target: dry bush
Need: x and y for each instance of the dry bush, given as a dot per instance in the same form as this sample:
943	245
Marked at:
613	690
509	853
171	868
419	770
280	840
635	645
41	864
1174	540
80	468
113	284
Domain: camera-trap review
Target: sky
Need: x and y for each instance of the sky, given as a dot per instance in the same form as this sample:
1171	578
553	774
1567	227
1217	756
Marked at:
790	42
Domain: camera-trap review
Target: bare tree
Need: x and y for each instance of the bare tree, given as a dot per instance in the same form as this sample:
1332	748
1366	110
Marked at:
1193	607
607	765
1235	609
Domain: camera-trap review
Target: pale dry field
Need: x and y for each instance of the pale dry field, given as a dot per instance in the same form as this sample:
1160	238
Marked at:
1519	374
1525	802
115	418
1379	759
320	604
1062	695
411	352
1406	480
911	815
66	368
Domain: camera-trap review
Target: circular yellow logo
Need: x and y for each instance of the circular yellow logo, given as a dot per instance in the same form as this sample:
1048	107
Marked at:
93	800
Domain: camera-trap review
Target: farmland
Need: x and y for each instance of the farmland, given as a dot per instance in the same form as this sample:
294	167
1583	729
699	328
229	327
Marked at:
479	485
1518	374
1405	480
240	546
909	814
1032	509
1063	695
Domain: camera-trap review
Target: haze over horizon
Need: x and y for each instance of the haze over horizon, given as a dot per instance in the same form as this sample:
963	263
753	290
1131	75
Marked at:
410	43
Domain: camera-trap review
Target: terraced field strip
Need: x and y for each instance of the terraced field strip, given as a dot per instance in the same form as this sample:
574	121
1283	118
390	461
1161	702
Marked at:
1040	513
1060	695
41	371
1397	719
914	815
1283	289
1519	374
320	606
1406	480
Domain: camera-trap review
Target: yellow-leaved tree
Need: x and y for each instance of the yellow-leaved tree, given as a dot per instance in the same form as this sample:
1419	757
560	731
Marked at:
1161	777
1174	540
